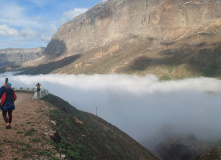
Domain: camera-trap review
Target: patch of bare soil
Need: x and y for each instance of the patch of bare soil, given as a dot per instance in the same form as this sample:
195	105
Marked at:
30	134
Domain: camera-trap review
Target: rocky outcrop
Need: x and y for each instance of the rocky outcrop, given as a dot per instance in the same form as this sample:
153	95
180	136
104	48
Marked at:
12	56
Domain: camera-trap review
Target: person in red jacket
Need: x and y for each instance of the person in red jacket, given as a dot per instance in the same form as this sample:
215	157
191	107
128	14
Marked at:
7	105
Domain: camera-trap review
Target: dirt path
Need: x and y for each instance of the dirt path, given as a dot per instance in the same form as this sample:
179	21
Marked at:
30	133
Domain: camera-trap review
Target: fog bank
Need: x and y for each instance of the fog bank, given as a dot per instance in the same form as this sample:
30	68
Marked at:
143	107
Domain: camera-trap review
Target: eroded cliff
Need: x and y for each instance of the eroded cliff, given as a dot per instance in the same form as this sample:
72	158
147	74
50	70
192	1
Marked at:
129	20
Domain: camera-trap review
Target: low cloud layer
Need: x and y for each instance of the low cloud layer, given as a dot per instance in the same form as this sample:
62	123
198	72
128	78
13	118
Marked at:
143	107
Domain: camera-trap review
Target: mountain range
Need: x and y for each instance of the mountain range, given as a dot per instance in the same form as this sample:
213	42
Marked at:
11	57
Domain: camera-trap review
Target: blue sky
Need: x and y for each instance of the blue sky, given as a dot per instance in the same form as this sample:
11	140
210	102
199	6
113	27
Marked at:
32	23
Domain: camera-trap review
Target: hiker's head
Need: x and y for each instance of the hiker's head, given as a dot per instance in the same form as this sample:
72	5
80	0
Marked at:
9	84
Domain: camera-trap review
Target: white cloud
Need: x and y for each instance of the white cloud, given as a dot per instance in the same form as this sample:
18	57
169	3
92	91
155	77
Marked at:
72	13
53	28
49	32
7	31
14	15
28	32
46	38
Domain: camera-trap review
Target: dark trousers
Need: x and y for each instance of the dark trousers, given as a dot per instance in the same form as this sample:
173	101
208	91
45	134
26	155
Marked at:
9	118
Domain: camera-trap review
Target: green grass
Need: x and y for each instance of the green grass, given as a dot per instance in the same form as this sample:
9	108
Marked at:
36	140
30	132
206	62
209	70
28	146
54	158
170	69
18	132
165	78
187	68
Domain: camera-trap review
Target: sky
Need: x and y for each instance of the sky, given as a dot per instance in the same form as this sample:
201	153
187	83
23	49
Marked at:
144	107
32	23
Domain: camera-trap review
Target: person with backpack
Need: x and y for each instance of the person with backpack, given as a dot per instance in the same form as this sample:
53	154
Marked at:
7	105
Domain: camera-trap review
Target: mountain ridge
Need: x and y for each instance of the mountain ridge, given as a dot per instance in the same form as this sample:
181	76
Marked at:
17	56
165	38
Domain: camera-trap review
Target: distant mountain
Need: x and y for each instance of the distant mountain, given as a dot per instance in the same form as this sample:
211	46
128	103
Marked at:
168	38
16	56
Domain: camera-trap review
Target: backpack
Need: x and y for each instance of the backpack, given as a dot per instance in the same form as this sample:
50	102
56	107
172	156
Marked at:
9	102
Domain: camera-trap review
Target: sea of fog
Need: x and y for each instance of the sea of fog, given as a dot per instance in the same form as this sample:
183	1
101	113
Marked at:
143	107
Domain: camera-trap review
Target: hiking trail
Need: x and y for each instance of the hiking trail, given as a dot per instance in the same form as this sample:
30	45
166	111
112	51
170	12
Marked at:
30	133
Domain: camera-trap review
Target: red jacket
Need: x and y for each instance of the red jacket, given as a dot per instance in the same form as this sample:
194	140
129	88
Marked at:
4	97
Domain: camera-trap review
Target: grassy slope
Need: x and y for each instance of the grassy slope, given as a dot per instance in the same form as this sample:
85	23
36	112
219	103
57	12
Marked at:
95	139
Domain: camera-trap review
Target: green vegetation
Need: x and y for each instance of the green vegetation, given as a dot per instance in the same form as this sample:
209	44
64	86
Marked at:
54	158
187	68
209	70
28	151
170	69
207	62
165	78
18	132
213	153
30	132
37	140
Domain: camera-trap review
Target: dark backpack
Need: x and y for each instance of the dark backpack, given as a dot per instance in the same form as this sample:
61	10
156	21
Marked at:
9	102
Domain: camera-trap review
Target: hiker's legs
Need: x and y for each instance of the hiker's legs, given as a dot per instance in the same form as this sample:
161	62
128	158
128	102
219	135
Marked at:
10	116
4	114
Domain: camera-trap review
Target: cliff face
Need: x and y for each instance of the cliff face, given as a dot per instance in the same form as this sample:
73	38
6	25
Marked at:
17	56
168	38
130	20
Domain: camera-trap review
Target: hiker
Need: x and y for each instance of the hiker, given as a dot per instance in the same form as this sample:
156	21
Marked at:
7	105
38	87
3	89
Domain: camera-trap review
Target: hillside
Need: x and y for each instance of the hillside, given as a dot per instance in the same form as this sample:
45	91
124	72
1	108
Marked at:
171	39
51	128
82	135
